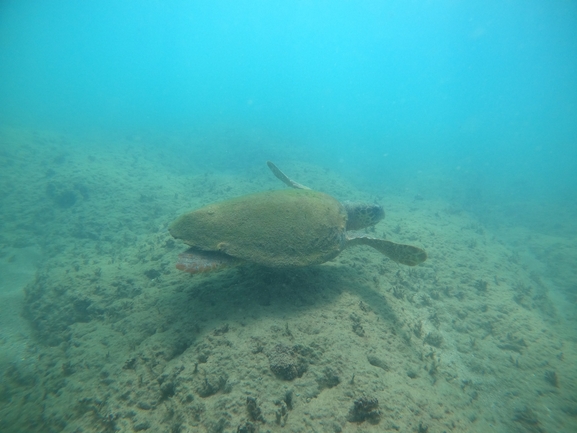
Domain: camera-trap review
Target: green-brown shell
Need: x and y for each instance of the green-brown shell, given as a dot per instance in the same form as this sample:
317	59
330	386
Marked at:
275	228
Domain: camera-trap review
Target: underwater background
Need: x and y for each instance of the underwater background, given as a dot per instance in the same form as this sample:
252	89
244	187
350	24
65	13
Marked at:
458	117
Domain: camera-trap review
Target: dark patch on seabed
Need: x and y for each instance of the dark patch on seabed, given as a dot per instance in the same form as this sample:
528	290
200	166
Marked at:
469	341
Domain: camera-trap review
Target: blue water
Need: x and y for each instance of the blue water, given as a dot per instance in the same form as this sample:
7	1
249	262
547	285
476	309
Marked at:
473	103
393	87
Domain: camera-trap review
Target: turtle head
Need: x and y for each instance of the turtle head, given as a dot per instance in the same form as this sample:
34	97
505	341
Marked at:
361	215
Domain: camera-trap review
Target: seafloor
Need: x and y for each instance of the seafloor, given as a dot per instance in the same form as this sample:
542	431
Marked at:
101	333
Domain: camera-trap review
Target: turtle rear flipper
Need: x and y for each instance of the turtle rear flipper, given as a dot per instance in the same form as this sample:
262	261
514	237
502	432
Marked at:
284	178
195	261
400	253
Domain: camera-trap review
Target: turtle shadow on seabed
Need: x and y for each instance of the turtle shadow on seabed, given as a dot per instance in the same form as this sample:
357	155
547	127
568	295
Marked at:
285	291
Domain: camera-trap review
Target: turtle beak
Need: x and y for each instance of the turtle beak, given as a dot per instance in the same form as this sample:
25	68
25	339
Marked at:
378	213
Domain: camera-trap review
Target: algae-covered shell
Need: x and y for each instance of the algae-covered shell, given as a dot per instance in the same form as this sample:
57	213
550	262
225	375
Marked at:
274	228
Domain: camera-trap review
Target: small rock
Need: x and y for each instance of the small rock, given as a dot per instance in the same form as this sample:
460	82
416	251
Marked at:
377	362
142	426
365	409
254	412
285	363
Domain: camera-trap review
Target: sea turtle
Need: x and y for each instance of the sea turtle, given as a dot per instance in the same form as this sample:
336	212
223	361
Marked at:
283	228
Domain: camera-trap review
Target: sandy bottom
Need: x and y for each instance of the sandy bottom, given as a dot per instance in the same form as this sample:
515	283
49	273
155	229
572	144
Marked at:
17	268
101	333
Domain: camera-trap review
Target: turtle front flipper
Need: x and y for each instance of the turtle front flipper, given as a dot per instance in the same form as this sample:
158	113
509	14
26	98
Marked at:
284	178
195	261
400	253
